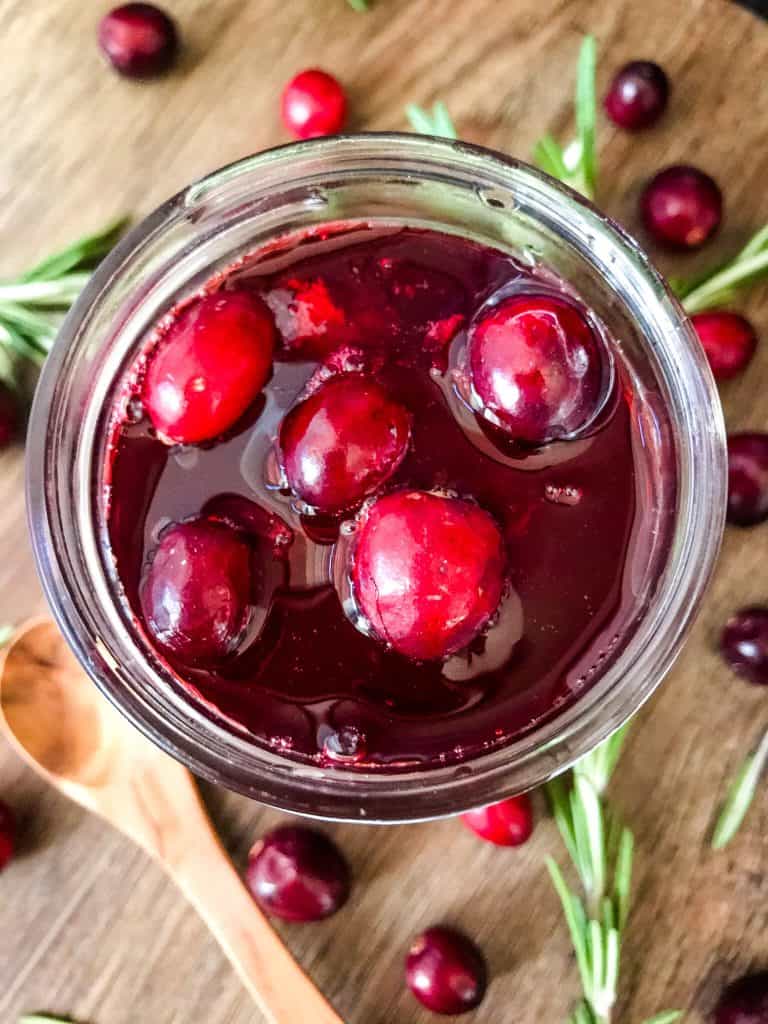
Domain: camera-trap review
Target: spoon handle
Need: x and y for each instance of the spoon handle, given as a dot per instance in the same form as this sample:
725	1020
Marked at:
190	851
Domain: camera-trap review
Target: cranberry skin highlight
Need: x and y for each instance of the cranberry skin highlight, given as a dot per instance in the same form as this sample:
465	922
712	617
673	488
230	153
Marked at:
343	442
7	834
298	874
729	341
638	95
139	40
744	644
314	104
744	1001
537	367
209	367
446	971
747	479
427	572
508	823
681	207
196	591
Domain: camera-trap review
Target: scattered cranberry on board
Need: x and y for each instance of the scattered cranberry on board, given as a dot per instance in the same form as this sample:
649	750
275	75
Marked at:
139	40
9	415
744	644
508	823
446	971
728	339
747	478
313	104
7	834
638	95
744	1001
681	207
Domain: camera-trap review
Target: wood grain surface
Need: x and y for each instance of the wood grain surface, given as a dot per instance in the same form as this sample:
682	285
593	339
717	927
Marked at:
90	927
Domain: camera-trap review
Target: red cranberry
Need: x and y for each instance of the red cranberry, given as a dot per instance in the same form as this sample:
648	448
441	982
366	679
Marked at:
744	644
446	971
196	591
343	442
537	367
314	103
509	823
681	207
139	40
427	572
744	1001
728	339
7	834
9	415
747	479
638	95
298	874
209	367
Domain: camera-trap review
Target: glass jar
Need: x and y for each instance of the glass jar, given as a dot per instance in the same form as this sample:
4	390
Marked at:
418	181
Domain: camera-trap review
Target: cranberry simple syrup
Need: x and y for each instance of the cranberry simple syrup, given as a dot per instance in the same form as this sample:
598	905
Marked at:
393	443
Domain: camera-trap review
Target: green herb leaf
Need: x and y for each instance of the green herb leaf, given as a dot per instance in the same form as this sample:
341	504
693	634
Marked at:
36	1018
721	285
83	254
6	632
358	5
667	1017
437	122
740	796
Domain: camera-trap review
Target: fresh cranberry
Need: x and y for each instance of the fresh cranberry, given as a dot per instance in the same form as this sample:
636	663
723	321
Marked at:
744	644
427	572
298	874
681	207
744	1001
139	40
638	95
343	442
509	823
196	591
728	339
209	367
446	971
537	367
9	415
314	103
747	479
7	834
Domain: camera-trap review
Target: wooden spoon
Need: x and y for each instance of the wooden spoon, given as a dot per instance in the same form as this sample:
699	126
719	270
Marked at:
73	737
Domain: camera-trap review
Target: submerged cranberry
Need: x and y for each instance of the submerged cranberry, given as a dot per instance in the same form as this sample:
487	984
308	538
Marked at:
139	40
9	415
343	442
744	644
427	572
638	95
728	339
209	367
681	207
314	103
7	834
744	1001
446	971
747	478
196	591
298	874
509	823
537	367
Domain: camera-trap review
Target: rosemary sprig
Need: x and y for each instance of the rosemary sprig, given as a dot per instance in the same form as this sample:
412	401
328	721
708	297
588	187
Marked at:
718	287
740	795
435	122
36	1018
359	5
33	305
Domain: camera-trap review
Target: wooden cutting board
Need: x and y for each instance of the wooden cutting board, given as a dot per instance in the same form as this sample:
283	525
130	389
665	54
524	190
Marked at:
89	927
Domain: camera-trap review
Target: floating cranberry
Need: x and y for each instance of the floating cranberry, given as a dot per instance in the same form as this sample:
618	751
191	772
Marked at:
343	442
638	95
446	971
747	478
681	207
744	644
209	367
728	339
139	40
427	572
7	834
298	874
509	823
744	1001
314	103
196	592
537	367
9	415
